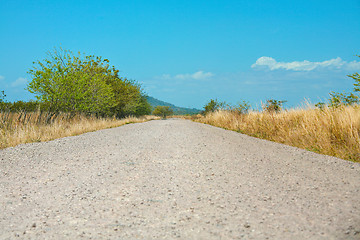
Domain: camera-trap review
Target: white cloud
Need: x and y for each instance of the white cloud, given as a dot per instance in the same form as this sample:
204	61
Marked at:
165	76
2	77
336	63
197	76
200	75
354	65
19	82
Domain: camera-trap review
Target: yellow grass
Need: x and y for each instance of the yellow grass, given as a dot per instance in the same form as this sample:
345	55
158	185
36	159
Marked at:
18	128
334	132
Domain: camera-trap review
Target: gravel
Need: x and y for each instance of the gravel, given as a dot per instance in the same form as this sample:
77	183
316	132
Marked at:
175	179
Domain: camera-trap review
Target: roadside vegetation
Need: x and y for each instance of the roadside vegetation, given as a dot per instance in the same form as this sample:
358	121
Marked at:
330	131
163	111
27	127
331	128
75	93
68	82
78	93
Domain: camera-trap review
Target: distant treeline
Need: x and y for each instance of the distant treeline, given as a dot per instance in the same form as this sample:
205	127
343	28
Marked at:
19	106
176	110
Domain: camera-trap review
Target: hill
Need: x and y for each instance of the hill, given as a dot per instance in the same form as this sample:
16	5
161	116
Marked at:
177	110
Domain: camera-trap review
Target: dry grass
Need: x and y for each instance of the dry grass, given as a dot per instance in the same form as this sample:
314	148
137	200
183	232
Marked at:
18	128
334	132
188	117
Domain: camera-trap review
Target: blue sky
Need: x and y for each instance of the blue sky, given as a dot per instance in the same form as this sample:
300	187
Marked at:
189	51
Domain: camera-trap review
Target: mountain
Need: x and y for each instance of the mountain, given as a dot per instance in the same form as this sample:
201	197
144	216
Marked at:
177	110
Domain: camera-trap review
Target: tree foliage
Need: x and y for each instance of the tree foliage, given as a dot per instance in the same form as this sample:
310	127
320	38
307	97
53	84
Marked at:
241	108
76	83
129	99
72	83
2	96
18	106
345	99
273	105
342	99
356	77
163	111
213	105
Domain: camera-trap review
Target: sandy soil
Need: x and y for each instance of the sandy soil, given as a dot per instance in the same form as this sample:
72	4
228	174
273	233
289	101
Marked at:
175	179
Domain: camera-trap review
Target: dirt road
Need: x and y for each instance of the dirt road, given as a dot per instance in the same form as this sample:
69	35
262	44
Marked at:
175	179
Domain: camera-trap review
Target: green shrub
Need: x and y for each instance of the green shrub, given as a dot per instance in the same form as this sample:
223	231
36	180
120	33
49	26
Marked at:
213	105
241	108
162	111
346	99
75	83
273	105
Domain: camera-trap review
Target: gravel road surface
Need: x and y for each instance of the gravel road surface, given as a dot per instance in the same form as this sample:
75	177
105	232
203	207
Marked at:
175	179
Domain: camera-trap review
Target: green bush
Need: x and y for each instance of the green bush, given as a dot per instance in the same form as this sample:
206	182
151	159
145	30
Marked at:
273	105
241	108
162	111
346	99
213	105
342	99
76	83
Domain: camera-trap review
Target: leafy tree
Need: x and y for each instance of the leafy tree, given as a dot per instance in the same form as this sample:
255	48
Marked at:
342	99
162	111
129	98
76	83
69	82
241	108
356	77
143	107
273	105
213	105
345	99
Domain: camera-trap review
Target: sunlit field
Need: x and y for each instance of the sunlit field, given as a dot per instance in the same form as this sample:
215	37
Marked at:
330	131
26	127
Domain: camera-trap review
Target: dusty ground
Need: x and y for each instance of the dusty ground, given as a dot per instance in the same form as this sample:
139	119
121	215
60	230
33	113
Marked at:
175	179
